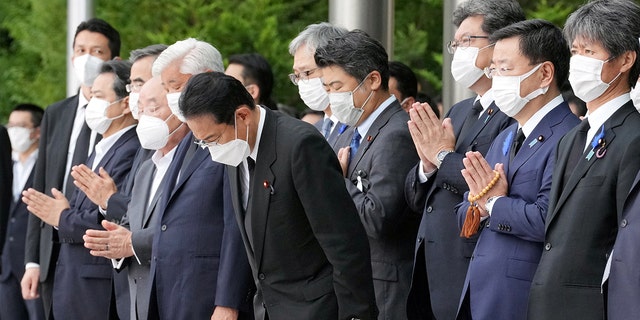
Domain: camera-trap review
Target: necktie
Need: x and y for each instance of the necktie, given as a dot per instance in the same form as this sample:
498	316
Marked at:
80	155
251	164
355	144
516	144
471	119
326	128
577	149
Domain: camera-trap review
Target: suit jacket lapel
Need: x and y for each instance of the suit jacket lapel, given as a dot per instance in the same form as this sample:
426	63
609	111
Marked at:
484	119
370	136
260	195
199	156
584	164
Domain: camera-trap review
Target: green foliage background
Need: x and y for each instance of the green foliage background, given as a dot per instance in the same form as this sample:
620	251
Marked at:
33	36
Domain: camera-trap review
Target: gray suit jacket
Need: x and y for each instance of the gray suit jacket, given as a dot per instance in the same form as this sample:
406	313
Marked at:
385	156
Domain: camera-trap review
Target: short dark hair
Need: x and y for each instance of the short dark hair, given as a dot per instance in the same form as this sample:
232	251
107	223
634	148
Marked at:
122	71
257	70
405	78
611	23
153	50
35	111
540	41
497	14
357	54
104	28
216	94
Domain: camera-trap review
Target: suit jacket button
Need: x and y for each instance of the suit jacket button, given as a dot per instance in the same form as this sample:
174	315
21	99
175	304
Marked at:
261	276
429	209
547	246
508	228
623	223
164	227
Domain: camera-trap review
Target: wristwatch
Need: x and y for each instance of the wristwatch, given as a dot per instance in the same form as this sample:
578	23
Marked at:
440	157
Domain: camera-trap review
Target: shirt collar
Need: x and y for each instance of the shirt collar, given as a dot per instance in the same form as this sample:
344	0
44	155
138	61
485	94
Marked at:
485	100
263	115
605	111
82	101
15	156
363	128
533	122
163	160
106	143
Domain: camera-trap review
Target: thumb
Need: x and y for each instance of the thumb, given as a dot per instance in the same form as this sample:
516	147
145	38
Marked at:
108	225
500	168
104	174
57	194
446	124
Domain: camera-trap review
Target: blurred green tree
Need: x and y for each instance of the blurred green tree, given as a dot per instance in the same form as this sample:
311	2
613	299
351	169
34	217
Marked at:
33	37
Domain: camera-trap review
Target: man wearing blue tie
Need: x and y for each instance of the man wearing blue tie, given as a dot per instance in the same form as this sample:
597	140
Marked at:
376	154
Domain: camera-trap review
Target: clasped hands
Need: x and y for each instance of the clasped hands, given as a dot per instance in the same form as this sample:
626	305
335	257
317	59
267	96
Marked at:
478	174
430	135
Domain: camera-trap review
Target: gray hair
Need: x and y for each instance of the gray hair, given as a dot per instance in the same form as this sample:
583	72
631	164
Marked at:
197	57
497	13
315	36
153	50
614	24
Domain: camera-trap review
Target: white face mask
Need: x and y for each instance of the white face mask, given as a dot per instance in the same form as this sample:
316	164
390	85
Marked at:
313	94
506	92
96	115
20	138
87	68
343	107
231	153
133	104
585	76
153	132
635	96
173	101
463	66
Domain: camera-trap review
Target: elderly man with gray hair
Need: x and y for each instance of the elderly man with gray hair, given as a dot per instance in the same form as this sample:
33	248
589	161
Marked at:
306	75
596	163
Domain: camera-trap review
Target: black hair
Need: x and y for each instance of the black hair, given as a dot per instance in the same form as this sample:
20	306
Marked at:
122	71
104	28
257	70
35	111
405	78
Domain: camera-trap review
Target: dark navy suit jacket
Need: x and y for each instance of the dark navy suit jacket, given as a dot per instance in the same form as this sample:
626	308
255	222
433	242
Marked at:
199	260
82	289
441	256
508	250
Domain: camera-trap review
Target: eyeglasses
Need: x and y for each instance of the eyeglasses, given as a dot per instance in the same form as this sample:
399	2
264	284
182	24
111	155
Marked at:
303	76
203	144
463	43
134	87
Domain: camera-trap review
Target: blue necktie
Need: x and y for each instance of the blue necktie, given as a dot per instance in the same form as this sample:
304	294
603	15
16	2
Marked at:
326	128
355	144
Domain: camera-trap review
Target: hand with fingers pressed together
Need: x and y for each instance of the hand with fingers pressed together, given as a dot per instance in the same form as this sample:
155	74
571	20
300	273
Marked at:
478	174
98	188
429	134
114	242
47	208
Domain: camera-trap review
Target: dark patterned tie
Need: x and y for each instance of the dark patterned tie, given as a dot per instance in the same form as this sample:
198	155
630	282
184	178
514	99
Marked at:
471	119
516	144
577	149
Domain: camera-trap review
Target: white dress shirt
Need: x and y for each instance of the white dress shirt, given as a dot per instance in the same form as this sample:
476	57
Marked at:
21	172
78	122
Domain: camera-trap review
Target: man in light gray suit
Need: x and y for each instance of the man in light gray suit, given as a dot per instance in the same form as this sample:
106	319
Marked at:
142	215
376	154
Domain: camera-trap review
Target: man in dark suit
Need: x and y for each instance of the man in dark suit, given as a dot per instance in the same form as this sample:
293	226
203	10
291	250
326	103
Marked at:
595	166
5	181
532	56
160	131
308	251
623	289
24	132
306	75
355	69
65	141
436	186
83	282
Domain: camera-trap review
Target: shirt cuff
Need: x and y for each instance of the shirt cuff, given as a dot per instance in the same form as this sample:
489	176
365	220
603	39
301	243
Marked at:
31	265
490	202
135	255
422	176
117	263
